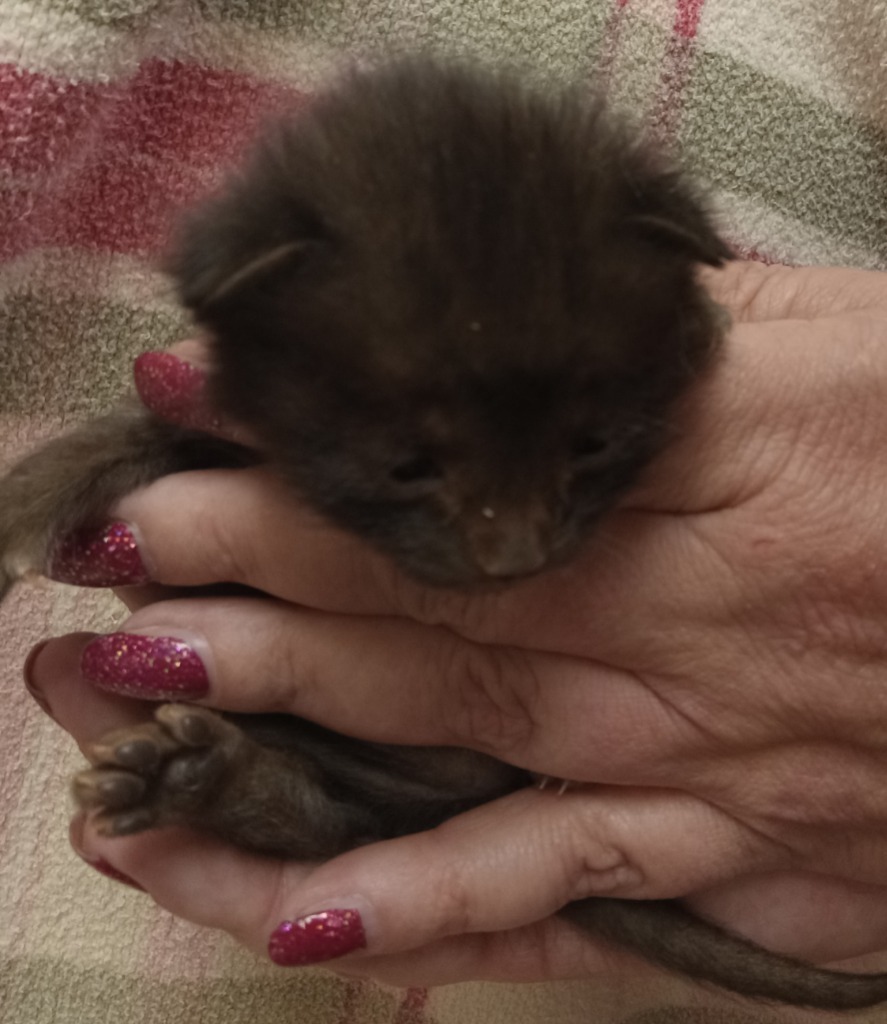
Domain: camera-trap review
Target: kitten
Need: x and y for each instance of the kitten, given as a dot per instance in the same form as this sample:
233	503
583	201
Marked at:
456	314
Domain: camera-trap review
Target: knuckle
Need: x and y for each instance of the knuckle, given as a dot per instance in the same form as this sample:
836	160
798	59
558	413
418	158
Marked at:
593	866
289	679
453	912
232	552
833	594
205	543
467	613
454	904
494	689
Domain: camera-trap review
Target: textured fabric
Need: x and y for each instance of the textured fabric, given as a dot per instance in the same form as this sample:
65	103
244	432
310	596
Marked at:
113	113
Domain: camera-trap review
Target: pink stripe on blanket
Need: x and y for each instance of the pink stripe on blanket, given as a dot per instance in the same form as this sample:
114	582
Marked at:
603	73
102	165
679	58
687	17
412	1008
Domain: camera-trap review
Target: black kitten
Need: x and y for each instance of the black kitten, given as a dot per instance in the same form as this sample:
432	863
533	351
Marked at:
456	313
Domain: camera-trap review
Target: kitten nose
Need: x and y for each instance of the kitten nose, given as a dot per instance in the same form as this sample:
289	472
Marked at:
510	549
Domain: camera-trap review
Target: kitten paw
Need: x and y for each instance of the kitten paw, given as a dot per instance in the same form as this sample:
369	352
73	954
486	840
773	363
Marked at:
164	772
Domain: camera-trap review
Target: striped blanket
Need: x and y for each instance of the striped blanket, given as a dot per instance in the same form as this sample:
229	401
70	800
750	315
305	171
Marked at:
115	113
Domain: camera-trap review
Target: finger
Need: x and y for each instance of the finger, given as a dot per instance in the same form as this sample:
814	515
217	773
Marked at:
173	385
554	714
519	859
264	537
53	676
245	527
498	868
196	876
753	292
211	884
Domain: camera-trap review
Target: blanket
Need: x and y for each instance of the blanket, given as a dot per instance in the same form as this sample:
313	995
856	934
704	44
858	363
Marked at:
113	115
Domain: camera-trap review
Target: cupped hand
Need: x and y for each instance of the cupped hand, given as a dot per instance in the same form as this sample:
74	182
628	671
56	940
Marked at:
711	665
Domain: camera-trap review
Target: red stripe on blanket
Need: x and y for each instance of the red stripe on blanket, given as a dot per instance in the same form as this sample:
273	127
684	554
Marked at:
679	58
412	1009
102	165
603	73
687	17
753	253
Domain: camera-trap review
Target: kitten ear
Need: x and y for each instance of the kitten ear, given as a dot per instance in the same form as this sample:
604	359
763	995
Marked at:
216	257
671	215
697	240
228	281
236	242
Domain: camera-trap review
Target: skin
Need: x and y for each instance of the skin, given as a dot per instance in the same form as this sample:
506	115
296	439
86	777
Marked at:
714	660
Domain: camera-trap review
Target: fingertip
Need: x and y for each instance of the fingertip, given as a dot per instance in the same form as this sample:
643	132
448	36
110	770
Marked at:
317	937
53	677
77	829
173	385
174	390
198	877
737	284
52	666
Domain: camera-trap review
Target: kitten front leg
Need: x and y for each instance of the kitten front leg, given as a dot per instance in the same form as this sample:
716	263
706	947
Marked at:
73	481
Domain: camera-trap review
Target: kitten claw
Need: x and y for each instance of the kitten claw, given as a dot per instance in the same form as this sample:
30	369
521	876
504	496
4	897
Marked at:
140	748
109	789
194	727
543	781
139	754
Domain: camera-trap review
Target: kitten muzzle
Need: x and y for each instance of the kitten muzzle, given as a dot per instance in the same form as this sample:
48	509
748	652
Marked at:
505	545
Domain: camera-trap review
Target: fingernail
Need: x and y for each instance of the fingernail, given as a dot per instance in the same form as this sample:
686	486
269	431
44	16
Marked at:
146	667
109	871
316	937
30	685
104	557
174	390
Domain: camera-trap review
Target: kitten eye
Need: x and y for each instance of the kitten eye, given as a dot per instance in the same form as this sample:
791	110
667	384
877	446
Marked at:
421	469
589	447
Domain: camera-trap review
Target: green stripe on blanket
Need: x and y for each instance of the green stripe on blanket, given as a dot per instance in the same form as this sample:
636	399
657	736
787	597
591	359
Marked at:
560	36
757	136
86	347
45	991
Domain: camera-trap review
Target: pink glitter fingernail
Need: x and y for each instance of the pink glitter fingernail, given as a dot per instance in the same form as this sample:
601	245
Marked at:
104	557
316	937
146	667
173	390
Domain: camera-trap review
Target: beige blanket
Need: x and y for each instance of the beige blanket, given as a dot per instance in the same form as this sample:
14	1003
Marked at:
115	112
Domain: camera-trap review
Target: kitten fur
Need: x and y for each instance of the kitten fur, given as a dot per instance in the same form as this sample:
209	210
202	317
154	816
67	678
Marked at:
456	313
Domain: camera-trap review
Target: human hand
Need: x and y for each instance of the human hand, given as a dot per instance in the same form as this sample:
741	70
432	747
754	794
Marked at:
712	659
